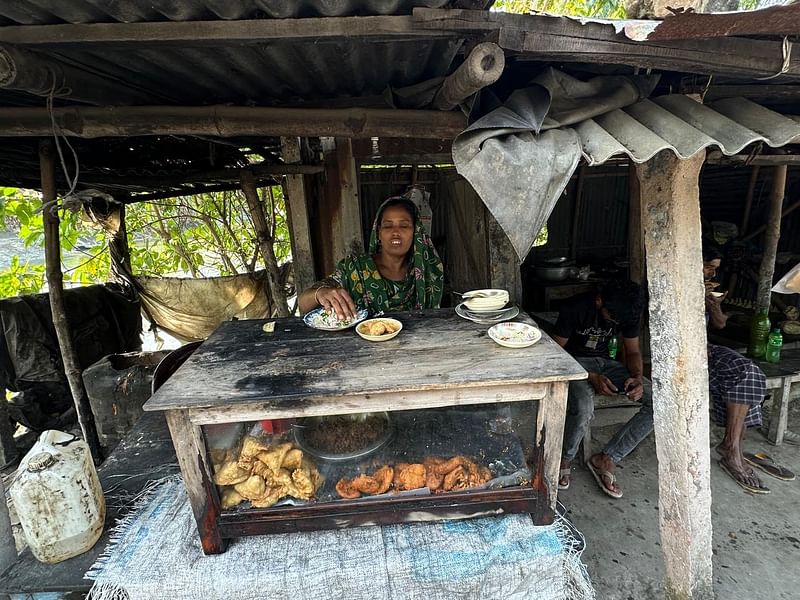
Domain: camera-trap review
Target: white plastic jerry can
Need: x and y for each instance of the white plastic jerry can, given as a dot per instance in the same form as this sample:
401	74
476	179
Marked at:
58	498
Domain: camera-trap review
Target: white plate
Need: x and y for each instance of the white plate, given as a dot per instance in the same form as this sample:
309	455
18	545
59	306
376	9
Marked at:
484	294
498	316
319	318
397	326
515	335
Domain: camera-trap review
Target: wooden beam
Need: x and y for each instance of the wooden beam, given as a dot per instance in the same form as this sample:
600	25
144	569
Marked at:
294	195
540	37
55	285
767	270
669	192
196	33
230	121
775	20
762	160
789	210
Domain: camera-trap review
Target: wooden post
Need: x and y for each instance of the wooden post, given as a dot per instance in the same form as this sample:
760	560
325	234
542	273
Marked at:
264	238
773	234
482	67
748	200
55	284
547	452
503	263
294	195
576	215
669	193
346	214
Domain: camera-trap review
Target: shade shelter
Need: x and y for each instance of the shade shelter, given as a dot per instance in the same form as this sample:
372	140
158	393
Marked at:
267	74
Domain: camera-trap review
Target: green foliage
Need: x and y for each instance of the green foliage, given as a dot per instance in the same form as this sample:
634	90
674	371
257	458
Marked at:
603	9
203	235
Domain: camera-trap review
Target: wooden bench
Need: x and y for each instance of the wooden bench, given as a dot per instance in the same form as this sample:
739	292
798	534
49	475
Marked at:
780	379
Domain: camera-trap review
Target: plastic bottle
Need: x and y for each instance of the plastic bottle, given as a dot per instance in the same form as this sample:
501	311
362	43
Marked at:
774	344
759	330
58	498
613	347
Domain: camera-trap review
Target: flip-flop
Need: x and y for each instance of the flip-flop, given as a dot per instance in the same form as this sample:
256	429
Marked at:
750	488
598	477
562	473
764	461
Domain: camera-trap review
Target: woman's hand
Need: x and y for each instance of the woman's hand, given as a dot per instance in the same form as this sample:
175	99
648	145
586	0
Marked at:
336	300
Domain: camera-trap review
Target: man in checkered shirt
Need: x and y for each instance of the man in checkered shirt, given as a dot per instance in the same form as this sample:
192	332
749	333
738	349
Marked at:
736	385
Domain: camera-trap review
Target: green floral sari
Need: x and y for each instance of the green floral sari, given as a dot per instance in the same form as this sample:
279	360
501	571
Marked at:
421	288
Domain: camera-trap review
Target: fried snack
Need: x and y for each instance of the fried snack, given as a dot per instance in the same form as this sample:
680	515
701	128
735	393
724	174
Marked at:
268	499
433	481
477	474
230	473
384	476
273	456
313	472
292	459
376	328
409	477
457	479
252	446
448	465
253	487
365	484
345	489
220	456
259	468
230	498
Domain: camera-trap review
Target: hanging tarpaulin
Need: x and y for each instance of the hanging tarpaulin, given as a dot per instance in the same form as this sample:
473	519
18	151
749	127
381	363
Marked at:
520	156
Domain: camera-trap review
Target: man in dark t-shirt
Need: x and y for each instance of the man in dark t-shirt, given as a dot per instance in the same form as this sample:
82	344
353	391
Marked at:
585	325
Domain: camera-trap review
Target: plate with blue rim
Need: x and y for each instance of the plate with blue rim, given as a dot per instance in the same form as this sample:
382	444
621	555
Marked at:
320	318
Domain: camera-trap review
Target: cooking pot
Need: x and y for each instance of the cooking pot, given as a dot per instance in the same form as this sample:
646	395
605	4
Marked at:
552	273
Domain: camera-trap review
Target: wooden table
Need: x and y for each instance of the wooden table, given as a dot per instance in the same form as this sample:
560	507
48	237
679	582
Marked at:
780	377
241	373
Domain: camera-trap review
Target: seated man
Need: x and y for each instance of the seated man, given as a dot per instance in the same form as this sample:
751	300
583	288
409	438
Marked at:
584	327
736	386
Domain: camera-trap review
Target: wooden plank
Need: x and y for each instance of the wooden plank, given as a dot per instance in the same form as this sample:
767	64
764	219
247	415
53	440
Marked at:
202	492
779	413
669	192
230	121
773	234
311	406
772	21
436	351
183	33
294	196
549	438
346	210
559	38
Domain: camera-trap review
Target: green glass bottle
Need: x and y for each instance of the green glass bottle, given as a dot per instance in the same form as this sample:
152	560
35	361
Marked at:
612	347
774	344
759	330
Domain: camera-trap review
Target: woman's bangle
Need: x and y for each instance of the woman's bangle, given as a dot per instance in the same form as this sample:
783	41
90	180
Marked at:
317	292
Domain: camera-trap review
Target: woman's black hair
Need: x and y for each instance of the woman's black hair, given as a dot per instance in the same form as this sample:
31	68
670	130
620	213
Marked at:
623	299
710	252
402	202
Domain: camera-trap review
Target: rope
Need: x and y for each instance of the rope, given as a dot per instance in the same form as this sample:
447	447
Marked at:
786	49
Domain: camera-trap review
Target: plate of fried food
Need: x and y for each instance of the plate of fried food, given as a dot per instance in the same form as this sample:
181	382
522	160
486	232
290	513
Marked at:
379	330
321	318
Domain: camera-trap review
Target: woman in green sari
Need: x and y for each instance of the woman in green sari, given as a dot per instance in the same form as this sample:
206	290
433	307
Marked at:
401	270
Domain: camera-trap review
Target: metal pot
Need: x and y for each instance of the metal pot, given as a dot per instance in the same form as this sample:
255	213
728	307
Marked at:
552	273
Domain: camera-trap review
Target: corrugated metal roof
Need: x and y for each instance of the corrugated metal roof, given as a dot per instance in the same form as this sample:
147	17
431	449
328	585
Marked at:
678	123
51	12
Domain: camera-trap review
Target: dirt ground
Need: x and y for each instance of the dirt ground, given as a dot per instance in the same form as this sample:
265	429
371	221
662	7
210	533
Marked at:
756	537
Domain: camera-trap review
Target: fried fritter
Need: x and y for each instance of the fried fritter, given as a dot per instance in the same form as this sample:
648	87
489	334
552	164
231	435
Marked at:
384	476
230	498
409	477
230	473
253	487
292	459
252	446
457	479
269	499
274	455
345	489
302	482
450	464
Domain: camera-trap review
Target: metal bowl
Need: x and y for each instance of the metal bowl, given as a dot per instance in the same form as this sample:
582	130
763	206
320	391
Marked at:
305	445
554	261
552	273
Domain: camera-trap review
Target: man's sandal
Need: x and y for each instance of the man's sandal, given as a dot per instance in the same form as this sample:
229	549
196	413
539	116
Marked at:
598	477
564	473
737	477
763	461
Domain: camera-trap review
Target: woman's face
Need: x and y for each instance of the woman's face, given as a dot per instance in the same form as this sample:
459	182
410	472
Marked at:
396	231
710	268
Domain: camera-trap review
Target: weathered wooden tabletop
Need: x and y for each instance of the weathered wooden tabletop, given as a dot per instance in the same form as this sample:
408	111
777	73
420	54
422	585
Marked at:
297	365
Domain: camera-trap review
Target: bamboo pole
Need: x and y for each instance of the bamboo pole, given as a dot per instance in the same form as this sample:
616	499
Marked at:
482	67
231	121
264	237
748	201
55	284
773	234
